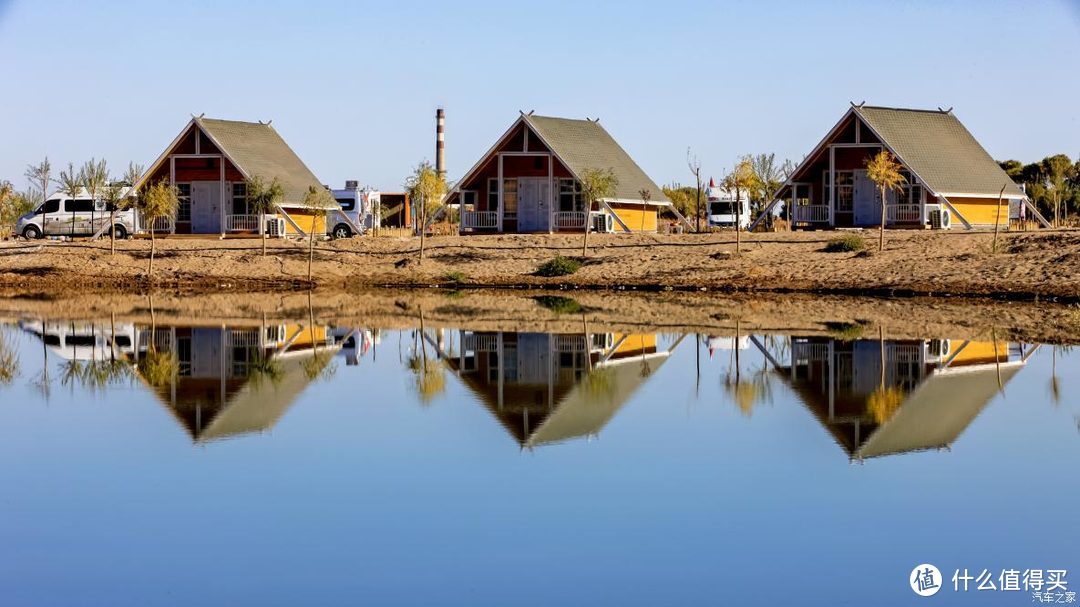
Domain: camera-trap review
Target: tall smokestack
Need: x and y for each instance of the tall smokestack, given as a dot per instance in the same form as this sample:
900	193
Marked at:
440	142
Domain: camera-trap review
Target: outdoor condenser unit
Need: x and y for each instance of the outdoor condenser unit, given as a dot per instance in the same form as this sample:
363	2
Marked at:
603	222
940	219
275	227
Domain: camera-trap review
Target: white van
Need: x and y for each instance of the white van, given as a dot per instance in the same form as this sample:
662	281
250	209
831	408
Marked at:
66	216
359	209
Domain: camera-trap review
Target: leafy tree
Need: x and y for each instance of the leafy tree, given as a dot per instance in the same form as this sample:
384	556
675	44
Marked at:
1013	168
596	185
71	183
426	188
319	202
158	200
768	178
14	205
741	179
681	197
40	176
884	171
1058	170
9	362
263	198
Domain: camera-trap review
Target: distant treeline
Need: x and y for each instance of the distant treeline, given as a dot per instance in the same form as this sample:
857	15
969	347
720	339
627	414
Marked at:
1052	183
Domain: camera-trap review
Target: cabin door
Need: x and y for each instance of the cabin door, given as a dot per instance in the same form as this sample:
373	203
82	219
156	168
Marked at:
534	204
867	205
206	207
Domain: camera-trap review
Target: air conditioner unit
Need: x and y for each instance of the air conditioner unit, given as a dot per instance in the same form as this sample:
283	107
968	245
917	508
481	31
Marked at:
940	219
603	222
275	227
940	348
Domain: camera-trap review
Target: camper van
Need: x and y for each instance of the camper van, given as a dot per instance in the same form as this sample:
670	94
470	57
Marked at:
359	209
82	216
722	213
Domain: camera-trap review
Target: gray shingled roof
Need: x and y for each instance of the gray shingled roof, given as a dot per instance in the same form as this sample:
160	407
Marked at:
257	149
584	144
937	147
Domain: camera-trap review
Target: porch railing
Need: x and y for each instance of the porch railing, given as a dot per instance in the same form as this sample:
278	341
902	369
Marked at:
812	213
569	220
903	213
241	223
479	219
160	225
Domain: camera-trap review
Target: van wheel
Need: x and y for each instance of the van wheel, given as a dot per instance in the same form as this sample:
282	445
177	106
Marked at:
342	231
119	232
31	232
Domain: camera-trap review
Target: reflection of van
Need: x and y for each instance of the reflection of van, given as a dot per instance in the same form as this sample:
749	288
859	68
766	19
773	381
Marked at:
84	341
64	216
359	205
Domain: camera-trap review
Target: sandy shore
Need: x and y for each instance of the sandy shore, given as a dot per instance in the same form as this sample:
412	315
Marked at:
674	312
1028	265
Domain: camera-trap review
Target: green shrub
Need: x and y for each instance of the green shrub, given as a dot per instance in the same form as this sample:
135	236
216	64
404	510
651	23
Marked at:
560	266
455	277
559	305
848	243
845	331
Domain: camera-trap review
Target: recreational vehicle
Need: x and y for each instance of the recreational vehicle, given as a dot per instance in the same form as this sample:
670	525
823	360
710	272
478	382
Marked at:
722	205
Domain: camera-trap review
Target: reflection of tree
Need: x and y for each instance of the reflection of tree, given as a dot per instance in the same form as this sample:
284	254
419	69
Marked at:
319	366
745	392
263	367
95	375
884	402
158	368
9	361
429	379
600	382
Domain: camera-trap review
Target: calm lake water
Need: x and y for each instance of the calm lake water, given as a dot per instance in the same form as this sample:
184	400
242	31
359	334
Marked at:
287	463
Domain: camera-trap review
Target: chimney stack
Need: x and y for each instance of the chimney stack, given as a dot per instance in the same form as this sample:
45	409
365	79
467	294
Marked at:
440	142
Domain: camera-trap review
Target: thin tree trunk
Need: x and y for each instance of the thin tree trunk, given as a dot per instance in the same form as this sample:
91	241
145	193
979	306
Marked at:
423	225
153	243
262	230
112	232
311	249
881	228
997	219
585	239
738	223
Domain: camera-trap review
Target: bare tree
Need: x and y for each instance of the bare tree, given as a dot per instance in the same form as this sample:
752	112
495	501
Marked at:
694	165
40	176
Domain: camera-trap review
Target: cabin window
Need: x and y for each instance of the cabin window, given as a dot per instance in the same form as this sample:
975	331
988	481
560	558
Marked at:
183	356
911	192
183	210
239	199
50	206
347	204
845	190
468	200
569	195
493	194
509	195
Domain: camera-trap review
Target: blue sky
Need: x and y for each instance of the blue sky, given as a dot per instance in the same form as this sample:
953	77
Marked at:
353	86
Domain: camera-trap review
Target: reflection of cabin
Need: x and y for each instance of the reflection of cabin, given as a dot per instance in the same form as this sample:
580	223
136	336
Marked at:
547	388
928	394
234	381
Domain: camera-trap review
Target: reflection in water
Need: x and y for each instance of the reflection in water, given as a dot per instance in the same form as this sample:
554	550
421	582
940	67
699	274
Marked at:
547	388
882	397
875	397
